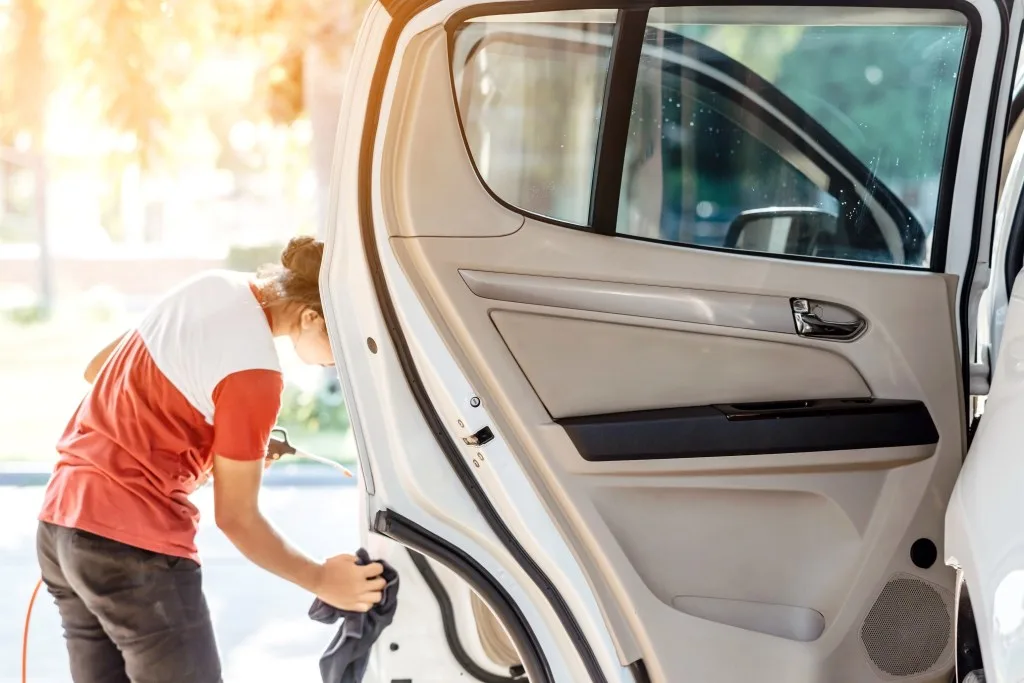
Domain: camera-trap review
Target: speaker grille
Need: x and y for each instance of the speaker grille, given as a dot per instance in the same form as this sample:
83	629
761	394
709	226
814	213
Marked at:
908	627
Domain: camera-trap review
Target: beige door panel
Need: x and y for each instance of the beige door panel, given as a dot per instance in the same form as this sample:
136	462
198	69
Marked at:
918	318
706	307
738	534
571	363
424	103
760	543
694	559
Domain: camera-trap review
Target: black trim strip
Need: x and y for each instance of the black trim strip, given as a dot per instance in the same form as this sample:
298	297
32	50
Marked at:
639	671
1016	106
1014	259
412	535
968	649
964	310
752	428
451	631
533	657
627	45
954	136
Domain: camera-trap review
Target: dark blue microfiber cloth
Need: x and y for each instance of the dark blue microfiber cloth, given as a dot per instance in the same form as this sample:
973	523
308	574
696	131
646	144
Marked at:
346	658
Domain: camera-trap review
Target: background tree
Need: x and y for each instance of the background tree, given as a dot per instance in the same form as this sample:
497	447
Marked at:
130	56
24	73
307	74
117	52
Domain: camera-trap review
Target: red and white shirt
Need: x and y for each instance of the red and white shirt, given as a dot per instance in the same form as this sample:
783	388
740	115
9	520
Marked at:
200	375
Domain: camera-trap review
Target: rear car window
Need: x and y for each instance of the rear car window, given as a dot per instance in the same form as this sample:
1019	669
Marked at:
531	107
819	141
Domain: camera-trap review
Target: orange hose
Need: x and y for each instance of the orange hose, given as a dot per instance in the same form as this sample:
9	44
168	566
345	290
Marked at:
24	637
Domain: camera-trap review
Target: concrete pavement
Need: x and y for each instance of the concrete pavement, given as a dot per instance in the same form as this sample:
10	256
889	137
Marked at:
261	622
281	474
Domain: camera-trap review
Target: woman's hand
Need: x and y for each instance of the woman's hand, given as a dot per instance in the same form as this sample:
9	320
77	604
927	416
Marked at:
350	586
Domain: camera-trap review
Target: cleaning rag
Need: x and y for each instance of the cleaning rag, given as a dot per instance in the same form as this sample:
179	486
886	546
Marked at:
346	658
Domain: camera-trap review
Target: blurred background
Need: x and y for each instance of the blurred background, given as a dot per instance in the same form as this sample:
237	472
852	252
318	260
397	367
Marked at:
142	141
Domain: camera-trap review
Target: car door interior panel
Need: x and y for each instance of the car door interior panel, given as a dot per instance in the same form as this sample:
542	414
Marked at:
734	484
566	360
724	309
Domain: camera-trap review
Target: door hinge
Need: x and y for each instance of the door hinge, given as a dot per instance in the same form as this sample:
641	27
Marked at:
483	436
980	373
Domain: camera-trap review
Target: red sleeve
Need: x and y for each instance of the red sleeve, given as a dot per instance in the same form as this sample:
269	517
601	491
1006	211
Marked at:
245	406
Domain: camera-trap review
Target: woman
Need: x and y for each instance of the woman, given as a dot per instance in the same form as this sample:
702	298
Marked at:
192	392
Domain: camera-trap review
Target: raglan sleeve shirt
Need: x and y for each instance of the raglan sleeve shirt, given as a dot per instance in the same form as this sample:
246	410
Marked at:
199	376
245	408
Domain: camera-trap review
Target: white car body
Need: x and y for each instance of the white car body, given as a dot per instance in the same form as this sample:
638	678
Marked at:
983	542
450	433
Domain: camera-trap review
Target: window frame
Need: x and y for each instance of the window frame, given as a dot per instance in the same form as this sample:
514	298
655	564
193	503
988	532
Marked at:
629	31
451	29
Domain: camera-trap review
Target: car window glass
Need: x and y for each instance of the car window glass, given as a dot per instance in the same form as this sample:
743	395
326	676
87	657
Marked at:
885	92
821	141
530	95
694	160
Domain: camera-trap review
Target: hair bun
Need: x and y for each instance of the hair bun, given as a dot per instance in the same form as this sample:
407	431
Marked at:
302	256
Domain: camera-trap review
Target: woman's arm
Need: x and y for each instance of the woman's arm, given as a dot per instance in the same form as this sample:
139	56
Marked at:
338	581
236	485
246	404
93	368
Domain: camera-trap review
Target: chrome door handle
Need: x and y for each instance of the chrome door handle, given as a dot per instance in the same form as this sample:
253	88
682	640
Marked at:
808	316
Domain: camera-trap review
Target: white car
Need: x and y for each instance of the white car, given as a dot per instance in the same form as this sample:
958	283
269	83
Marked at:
657	344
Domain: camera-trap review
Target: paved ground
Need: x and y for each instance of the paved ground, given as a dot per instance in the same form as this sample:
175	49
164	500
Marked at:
261	621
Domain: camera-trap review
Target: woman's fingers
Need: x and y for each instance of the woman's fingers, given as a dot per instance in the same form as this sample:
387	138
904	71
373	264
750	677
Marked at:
373	569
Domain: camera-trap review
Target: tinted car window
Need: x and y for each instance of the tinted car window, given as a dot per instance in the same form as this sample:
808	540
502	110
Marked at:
885	92
694	160
729	125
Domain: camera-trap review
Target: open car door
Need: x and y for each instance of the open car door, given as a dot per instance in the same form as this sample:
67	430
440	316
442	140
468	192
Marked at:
653	323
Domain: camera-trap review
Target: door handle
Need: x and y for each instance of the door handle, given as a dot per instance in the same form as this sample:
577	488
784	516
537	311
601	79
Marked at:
810	320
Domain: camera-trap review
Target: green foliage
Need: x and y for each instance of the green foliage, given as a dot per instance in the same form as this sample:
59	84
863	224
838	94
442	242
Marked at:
250	258
102	304
320	410
24	77
751	45
887	95
116	50
132	62
32	314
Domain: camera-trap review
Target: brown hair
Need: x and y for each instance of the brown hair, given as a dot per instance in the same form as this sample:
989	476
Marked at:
297	279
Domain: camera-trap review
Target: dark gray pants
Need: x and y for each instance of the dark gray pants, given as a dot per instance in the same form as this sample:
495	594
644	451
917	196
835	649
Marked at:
129	615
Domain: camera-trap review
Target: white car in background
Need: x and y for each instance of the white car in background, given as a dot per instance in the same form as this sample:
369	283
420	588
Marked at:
654	368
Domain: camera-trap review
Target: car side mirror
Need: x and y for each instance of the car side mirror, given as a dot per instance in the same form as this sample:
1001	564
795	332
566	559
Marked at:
803	231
